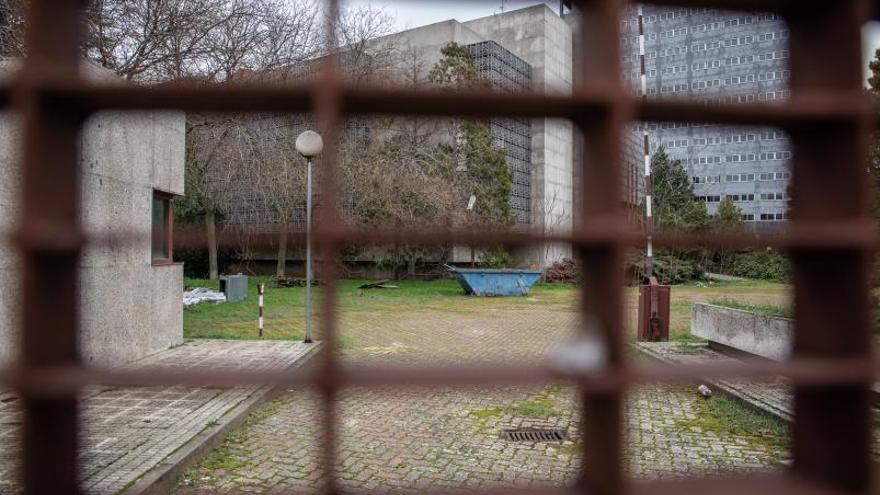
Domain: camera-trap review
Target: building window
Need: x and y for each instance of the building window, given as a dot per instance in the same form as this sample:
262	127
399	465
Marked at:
161	252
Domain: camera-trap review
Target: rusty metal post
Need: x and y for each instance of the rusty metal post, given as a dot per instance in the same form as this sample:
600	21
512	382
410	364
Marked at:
833	424
51	240
653	322
602	292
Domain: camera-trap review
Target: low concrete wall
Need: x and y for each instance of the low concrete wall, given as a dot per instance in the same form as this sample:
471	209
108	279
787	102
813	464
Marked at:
761	335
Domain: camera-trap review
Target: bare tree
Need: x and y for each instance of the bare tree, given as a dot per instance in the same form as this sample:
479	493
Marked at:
393	187
276	172
367	54
205	40
209	174
12	22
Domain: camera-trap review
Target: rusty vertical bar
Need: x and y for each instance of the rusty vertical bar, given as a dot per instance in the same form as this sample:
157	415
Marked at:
601	294
832	429
50	235
327	114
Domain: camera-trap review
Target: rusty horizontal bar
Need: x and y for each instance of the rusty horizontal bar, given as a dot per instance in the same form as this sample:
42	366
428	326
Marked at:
795	235
755	484
299	98
55	237
770	484
804	108
847	234
767	484
543	490
854	234
63	381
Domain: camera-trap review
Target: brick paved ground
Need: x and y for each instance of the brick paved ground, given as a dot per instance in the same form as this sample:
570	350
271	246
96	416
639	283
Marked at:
127	431
774	396
444	438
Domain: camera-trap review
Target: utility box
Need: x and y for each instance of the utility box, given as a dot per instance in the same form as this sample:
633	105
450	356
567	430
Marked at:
653	312
234	287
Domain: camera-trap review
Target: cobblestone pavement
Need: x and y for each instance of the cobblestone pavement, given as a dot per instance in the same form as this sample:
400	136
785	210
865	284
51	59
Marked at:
774	396
127	431
447	438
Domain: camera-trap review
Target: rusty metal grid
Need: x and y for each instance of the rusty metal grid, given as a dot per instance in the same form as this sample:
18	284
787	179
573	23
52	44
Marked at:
831	239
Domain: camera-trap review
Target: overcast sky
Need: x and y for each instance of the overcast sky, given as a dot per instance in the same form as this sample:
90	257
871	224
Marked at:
410	13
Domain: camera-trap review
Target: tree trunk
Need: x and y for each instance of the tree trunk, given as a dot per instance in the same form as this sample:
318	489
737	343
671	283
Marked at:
411	269
282	251
211	226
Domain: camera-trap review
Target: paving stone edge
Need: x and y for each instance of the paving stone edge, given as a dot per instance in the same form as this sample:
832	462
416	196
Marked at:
160	479
759	406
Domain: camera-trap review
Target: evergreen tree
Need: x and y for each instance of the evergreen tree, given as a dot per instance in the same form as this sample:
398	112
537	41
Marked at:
696	216
728	215
672	190
456	69
487	175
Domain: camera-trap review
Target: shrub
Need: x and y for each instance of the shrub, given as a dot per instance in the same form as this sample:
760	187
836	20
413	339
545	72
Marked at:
496	257
764	264
671	269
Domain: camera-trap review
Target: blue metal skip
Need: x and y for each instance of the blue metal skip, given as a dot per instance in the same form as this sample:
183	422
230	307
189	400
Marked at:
495	282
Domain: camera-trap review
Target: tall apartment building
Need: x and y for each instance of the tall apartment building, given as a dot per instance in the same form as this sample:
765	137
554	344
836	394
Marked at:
722	57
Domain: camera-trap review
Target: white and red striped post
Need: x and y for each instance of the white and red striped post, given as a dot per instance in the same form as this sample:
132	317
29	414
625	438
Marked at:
649	218
653	320
261	289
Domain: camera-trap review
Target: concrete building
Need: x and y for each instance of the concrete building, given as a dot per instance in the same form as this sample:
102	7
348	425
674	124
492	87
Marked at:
529	49
723	57
524	50
131	293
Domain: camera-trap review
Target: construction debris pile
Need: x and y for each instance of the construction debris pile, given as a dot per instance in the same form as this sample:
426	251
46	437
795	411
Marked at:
565	271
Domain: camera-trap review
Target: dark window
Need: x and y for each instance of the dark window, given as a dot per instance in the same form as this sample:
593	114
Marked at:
162	222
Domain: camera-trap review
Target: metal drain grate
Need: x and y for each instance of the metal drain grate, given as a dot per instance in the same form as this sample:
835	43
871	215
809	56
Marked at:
535	435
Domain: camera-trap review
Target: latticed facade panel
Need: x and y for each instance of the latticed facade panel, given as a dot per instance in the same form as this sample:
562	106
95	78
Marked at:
509	73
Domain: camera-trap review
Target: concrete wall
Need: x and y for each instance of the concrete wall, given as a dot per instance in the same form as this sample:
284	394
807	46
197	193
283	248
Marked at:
762	335
130	308
428	40
543	39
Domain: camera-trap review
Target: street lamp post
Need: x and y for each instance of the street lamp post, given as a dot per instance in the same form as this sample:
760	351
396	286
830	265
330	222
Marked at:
309	144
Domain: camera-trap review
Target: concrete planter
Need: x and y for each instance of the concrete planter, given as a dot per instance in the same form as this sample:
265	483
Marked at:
753	333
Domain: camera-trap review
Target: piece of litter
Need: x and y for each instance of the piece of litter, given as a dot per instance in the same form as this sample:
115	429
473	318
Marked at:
201	294
705	391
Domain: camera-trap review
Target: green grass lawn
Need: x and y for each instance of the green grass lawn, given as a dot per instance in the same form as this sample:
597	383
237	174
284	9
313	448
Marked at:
284	308
764	309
